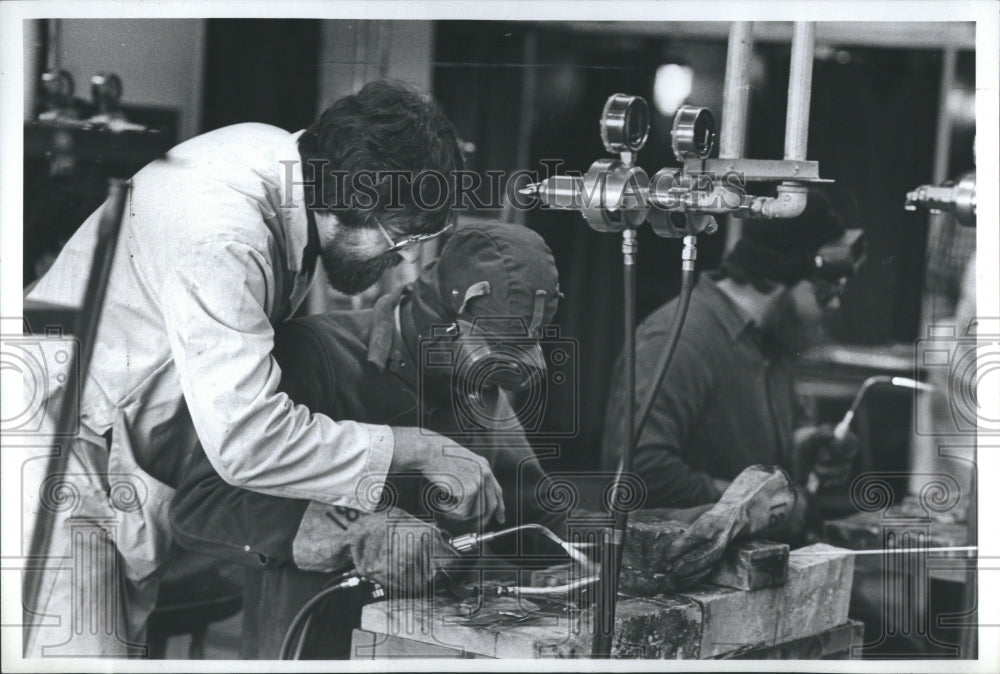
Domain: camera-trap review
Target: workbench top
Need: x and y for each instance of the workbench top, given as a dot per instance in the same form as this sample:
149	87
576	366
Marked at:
704	622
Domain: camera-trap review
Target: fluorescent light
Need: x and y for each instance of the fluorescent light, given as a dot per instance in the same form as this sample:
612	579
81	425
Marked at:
671	87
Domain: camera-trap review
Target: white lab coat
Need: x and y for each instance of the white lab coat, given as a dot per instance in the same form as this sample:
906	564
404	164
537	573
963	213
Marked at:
209	258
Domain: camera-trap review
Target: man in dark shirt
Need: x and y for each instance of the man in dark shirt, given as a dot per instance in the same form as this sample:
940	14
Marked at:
367	365
727	401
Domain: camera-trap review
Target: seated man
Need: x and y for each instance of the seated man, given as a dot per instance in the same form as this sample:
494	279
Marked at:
727	401
491	280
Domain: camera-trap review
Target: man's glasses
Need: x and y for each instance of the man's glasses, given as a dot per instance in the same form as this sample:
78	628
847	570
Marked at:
410	241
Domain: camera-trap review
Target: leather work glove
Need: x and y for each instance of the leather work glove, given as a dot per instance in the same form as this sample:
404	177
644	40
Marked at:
825	462
390	546
761	500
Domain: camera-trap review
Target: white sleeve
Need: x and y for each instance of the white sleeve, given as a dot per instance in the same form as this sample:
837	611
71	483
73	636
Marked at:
214	306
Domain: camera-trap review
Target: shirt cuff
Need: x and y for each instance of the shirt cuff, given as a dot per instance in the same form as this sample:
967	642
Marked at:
381	444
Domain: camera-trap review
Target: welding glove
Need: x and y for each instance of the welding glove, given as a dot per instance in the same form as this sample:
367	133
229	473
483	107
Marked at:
825	462
390	546
761	501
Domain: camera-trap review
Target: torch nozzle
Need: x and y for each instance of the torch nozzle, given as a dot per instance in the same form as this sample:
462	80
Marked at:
468	542
840	432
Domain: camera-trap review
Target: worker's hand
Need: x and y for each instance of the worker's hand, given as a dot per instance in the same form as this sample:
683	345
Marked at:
826	462
390	546
465	484
402	553
761	500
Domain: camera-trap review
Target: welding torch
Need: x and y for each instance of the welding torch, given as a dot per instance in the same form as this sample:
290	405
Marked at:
468	542
843	428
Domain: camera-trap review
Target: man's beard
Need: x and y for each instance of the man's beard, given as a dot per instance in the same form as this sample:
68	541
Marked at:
350	274
785	330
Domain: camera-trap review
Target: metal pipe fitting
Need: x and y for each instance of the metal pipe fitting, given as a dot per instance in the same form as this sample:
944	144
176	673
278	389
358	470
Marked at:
789	203
799	90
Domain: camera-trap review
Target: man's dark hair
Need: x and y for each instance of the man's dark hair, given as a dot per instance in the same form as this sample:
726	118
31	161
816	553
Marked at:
386	126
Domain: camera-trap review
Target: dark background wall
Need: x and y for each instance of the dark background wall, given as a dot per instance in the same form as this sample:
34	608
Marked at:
261	71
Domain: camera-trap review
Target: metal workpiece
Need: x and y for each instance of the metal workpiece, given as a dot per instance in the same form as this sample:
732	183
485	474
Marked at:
799	90
958	199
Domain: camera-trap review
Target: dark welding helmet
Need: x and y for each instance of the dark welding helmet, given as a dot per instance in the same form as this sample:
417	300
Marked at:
486	300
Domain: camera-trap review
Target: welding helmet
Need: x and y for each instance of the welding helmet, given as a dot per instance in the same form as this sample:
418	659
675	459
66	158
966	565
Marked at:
484	303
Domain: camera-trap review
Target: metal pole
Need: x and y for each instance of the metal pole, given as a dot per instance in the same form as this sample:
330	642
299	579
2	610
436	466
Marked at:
735	102
611	543
736	90
86	324
799	90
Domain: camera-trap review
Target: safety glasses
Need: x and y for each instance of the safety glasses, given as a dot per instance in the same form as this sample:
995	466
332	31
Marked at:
410	241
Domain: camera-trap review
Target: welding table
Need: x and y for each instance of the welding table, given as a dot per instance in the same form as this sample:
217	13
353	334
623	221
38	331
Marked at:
806	618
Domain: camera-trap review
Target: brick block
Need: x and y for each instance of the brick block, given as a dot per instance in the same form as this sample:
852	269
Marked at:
818	591
752	565
663	628
815	598
732	619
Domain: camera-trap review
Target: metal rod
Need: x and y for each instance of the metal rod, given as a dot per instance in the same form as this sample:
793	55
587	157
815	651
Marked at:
736	90
85	329
799	90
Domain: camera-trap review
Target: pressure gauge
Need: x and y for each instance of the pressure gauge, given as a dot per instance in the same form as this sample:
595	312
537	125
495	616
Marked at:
625	123
693	133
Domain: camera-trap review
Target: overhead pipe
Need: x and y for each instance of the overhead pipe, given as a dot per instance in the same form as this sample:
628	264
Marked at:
736	91
799	90
792	196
